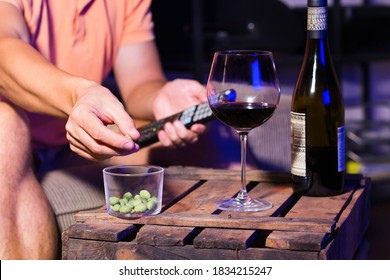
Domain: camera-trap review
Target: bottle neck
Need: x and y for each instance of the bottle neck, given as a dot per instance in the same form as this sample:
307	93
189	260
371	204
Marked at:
317	22
317	45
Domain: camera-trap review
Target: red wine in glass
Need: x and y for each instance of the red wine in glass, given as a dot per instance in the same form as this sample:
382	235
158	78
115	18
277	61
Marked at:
243	116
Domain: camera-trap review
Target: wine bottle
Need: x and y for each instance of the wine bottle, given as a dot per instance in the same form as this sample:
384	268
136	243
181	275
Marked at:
317	114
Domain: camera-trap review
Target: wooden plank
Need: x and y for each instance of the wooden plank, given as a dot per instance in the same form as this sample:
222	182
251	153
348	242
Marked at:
224	221
276	254
361	195
165	235
351	227
320	207
240	222
102	231
94	250
174	190
219	238
84	249
301	241
189	252
80	249
201	200
185	173
126	251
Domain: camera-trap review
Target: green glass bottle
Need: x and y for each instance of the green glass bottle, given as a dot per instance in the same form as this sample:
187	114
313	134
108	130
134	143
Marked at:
317	114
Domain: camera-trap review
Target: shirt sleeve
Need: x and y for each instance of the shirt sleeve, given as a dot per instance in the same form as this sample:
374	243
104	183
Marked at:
138	24
16	3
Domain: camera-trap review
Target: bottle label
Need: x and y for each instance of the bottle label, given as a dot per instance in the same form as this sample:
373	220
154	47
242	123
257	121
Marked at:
341	148
316	18
298	144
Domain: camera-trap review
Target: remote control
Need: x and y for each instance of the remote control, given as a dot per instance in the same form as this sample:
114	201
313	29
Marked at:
196	114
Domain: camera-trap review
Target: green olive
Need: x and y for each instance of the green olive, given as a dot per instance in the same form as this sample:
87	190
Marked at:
137	202
115	207
114	200
124	209
144	194
150	204
128	195
140	208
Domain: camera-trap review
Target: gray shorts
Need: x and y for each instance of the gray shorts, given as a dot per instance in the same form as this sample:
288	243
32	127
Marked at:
49	159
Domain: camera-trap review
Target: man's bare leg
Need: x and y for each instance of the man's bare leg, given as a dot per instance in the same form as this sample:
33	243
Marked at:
28	229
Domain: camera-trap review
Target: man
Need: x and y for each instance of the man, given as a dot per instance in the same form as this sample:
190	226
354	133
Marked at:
54	54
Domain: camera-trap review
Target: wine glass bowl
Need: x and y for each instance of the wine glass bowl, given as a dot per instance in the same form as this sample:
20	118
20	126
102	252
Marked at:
243	92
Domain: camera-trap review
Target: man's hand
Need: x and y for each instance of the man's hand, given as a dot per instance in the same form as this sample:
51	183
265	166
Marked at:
174	97
95	108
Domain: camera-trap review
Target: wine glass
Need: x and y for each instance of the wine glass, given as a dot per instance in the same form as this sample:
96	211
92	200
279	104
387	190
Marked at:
243	92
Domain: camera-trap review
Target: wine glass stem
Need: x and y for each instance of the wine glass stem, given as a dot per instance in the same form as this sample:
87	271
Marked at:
243	195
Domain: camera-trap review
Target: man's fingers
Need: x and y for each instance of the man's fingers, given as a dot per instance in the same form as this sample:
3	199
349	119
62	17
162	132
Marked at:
102	135
101	145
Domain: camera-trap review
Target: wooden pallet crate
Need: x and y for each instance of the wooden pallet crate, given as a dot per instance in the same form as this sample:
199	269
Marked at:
190	227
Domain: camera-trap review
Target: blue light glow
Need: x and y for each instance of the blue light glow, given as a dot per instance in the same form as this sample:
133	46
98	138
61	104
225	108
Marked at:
322	52
326	97
256	75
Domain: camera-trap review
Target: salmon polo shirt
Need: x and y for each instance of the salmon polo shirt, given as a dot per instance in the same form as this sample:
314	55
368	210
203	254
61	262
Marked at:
81	37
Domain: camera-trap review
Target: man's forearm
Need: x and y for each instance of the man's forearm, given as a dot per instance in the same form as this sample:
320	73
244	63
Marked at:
28	80
140	103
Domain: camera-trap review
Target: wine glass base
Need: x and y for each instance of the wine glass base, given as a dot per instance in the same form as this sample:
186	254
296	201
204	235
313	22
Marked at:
249	205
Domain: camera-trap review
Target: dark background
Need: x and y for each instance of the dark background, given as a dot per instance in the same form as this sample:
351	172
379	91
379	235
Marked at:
188	33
